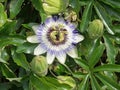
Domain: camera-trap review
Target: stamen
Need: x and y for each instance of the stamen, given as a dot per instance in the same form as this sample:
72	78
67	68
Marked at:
57	35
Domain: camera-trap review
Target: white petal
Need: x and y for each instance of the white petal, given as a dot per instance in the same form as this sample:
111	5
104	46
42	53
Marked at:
61	58
33	39
35	28
73	53
39	50
50	58
78	38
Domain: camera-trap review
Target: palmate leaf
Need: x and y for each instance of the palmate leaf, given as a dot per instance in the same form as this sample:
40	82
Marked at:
114	13
95	55
82	63
94	83
108	81
112	3
108	67
104	17
86	16
84	85
79	75
111	49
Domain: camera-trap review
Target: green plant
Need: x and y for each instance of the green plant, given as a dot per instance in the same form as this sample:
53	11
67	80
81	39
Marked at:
97	66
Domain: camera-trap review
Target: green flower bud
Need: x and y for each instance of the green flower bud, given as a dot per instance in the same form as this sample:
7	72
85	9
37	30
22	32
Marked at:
55	6
67	80
95	29
39	65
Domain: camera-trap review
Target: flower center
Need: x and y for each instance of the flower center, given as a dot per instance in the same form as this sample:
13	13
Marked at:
57	35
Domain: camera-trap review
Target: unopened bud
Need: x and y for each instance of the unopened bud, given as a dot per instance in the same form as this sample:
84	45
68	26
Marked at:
55	6
39	65
95	29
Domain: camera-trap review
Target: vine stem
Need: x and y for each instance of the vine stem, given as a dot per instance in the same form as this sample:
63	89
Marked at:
68	68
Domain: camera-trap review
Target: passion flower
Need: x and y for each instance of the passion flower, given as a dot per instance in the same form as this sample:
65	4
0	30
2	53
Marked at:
95	29
57	37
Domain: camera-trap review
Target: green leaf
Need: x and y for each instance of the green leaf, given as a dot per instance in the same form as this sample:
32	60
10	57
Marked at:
3	61
45	82
108	81
108	67
15	7
112	3
95	55
38	83
11	40
79	75
43	17
114	13
6	71
86	49
117	28
84	85
83	2
82	63
75	4
3	15
29	25
38	5
8	28
86	16
117	39
26	48
110	48
104	17
4	55
20	60
94	83
92	45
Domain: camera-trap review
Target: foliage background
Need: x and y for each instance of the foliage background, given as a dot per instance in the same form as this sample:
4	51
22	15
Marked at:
99	64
